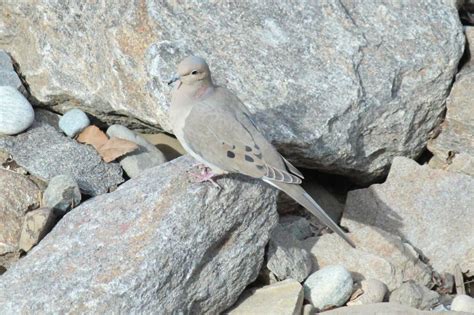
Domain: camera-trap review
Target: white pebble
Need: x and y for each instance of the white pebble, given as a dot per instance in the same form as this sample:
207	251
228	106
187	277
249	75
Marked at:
16	113
73	122
463	303
329	286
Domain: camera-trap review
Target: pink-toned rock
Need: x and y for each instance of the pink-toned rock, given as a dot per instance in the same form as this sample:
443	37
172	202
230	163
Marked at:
18	195
430	208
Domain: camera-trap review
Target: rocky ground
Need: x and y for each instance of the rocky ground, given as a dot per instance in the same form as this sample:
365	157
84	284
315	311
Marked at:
99	208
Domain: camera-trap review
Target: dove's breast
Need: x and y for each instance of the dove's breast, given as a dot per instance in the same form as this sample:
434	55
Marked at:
179	112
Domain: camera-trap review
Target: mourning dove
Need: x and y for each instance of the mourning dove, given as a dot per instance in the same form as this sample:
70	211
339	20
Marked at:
216	128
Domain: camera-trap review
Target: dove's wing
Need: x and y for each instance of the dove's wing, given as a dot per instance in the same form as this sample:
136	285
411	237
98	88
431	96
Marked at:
220	131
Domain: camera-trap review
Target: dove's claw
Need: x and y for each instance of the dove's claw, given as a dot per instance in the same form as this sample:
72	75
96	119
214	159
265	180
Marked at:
206	175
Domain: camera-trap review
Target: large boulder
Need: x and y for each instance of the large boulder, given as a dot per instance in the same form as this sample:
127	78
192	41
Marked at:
429	208
46	153
160	244
325	80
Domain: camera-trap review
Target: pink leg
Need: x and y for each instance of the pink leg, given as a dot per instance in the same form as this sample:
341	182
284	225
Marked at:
206	175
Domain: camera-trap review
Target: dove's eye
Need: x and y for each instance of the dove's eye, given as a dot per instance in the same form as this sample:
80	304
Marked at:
194	72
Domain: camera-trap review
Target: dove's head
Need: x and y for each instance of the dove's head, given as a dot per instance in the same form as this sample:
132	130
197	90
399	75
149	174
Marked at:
193	70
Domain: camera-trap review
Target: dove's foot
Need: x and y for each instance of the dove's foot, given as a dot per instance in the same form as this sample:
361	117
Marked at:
206	175
198	165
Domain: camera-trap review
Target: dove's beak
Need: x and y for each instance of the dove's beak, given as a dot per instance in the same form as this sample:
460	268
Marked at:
174	79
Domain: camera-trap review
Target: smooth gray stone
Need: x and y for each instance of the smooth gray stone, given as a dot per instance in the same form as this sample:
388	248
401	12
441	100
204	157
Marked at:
73	122
145	157
16	113
62	194
329	286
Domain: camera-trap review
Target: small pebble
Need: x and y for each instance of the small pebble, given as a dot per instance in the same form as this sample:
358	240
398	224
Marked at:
145	157
415	295
73	122
16	113
62	194
373	291
463	303
328	287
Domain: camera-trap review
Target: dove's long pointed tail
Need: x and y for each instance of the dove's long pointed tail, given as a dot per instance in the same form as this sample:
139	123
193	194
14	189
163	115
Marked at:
303	198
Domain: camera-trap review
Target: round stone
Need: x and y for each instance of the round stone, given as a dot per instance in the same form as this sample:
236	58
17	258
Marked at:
62	194
463	303
16	113
73	122
329	286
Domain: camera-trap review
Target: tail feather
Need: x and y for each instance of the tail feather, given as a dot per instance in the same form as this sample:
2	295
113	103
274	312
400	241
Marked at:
303	198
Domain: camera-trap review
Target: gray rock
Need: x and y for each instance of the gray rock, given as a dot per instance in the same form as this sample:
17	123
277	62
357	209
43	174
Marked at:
453	148
5	62
16	113
463	303
18	196
36	225
47	117
371	291
382	309
159	244
378	255
45	153
334	77
297	226
329	286
414	295
146	156
8	76
62	194
286	257
73	122
419	204
281	298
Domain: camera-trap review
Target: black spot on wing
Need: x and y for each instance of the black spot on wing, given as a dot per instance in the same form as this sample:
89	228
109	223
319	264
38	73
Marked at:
230	154
248	149
257	147
258	156
260	167
248	158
